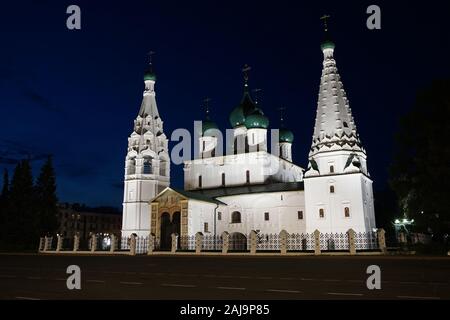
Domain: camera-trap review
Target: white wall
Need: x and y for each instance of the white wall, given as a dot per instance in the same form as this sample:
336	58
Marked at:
262	166
349	189
283	210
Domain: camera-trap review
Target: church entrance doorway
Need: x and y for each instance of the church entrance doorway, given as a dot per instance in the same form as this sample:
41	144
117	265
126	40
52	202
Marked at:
169	226
166	231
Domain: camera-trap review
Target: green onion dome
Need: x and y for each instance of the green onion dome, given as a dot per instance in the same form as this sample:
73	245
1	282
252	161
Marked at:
149	74
327	44
208	125
245	108
286	136
256	120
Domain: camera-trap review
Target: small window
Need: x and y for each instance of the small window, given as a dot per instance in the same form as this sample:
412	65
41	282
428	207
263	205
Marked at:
345	124
331	169
321	213
219	215
347	212
223	179
199	181
266	216
236	217
204	145
331	189
247	176
300	215
205	227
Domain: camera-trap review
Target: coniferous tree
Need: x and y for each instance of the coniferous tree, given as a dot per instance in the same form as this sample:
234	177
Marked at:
21	226
46	199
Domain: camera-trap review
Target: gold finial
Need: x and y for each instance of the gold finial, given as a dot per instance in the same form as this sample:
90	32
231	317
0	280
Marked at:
325	18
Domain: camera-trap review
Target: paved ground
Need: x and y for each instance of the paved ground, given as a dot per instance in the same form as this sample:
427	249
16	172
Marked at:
216	277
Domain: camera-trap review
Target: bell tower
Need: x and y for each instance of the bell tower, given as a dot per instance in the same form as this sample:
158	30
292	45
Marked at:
147	163
338	187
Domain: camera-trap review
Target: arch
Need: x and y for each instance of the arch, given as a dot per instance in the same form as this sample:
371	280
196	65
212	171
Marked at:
166	231
236	217
163	167
347	212
238	242
148	165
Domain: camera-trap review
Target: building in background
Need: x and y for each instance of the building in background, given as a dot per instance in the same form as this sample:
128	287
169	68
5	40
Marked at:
85	221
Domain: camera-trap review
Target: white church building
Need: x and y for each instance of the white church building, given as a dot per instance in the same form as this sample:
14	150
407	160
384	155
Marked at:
250	188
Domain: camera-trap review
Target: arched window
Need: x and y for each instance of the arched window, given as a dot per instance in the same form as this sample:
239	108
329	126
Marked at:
147	166
199	181
247	176
266	216
236	217
347	212
331	189
223	179
331	169
321	213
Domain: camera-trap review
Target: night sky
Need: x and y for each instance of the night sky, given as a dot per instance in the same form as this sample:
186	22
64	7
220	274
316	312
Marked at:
75	94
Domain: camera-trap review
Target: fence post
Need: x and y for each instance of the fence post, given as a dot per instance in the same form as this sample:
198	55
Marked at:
58	242
351	241
113	243
253	239
93	243
198	242
317	250
151	244
283	241
225	242
45	243
41	244
76	242
382	240
133	244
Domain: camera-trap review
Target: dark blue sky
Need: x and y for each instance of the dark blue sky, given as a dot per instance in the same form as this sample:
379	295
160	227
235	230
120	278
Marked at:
74	94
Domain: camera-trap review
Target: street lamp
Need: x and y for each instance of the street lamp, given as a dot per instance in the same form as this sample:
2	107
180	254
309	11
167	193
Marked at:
402	225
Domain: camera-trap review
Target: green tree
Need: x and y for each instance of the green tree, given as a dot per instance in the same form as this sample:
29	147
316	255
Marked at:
22	222
420	172
47	199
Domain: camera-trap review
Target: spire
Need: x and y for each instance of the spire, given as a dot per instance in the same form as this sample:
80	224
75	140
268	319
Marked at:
334	126
148	106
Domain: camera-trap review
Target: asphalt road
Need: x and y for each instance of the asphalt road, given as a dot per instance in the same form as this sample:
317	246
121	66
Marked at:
214	277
